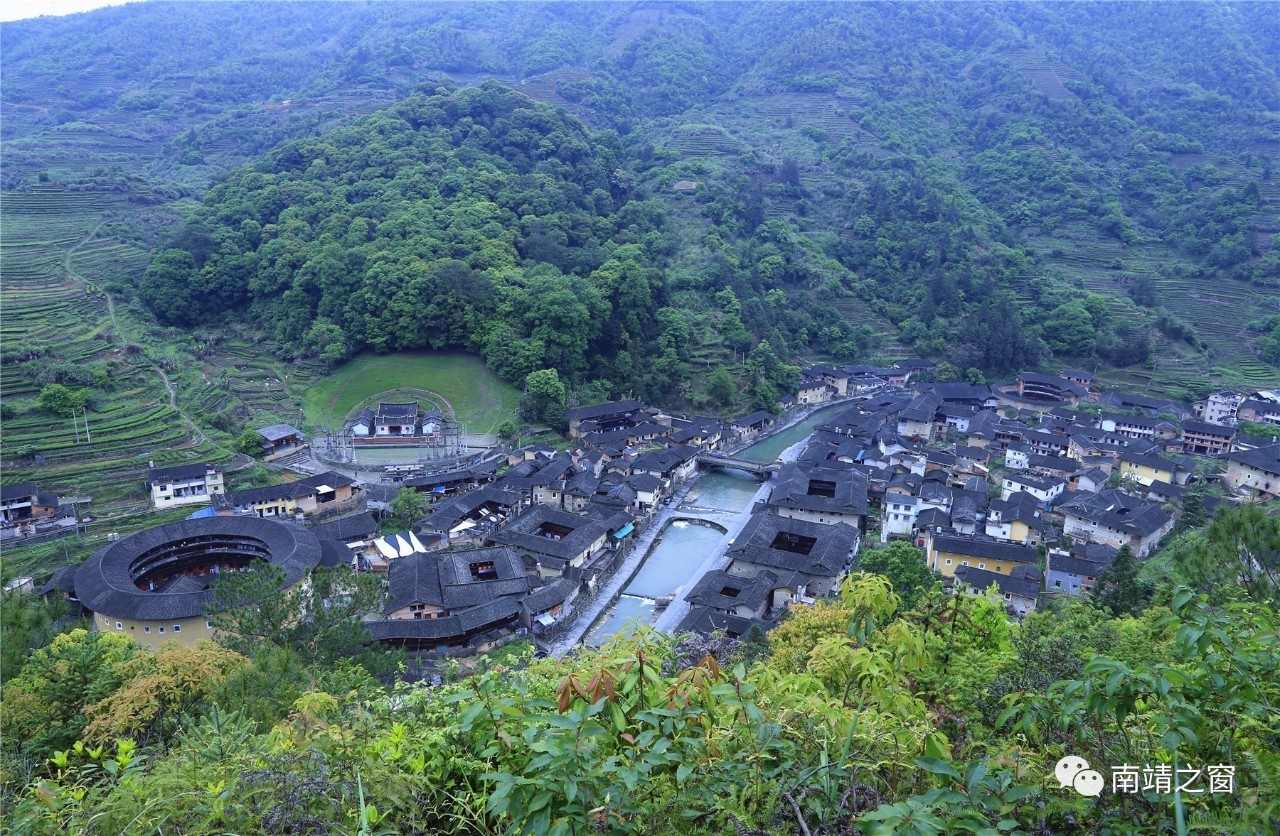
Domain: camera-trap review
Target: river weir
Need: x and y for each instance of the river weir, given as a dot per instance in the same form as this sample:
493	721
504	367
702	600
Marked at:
694	539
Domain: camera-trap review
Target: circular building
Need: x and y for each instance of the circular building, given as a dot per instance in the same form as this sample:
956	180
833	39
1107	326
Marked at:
155	585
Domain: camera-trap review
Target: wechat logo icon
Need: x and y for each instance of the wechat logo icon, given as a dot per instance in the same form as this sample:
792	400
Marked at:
1073	771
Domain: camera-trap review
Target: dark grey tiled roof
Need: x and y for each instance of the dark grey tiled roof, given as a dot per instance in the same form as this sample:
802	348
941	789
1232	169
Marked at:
63	580
289	490
582	484
1061	464
18	490
990	549
1024	584
791	489
548	596
706	620
452	477
556	470
723	591
959	392
277	432
397	410
933	518
333	553
644	482
451	629
447	514
603	410
182	472
664	461
754	418
444	579
1050	380
1266	459
348	528
828	556
922	408
1033	480
104	583
1020	506
1072	565
520	532
1153	462
1116	510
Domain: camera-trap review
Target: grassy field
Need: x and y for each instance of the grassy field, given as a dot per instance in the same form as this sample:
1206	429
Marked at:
479	398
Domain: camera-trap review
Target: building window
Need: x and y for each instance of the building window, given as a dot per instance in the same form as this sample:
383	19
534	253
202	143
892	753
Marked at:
208	625
948	561
982	565
177	628
119	626
964	563
161	629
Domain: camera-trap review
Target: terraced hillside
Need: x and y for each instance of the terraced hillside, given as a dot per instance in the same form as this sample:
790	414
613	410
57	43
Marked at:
1124	109
56	312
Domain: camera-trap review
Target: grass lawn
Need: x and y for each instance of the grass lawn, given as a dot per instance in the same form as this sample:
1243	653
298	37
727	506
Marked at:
481	400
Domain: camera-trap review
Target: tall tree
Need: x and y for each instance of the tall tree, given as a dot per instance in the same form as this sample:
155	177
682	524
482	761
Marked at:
1119	589
1239	552
544	398
320	619
721	387
407	508
904	565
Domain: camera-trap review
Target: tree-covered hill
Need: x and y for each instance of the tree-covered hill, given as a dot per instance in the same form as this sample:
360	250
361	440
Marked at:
475	219
999	185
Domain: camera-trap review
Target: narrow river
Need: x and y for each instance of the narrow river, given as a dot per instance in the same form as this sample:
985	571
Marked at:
682	546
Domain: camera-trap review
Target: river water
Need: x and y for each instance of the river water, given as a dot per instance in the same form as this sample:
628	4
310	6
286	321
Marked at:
682	545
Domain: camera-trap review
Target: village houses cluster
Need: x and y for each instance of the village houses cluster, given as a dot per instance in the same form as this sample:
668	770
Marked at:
1030	486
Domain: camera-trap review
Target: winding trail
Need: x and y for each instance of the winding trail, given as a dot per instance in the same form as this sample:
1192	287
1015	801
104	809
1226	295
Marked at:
70	274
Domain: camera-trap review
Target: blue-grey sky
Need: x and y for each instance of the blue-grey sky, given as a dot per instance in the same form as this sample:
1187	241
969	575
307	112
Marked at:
23	9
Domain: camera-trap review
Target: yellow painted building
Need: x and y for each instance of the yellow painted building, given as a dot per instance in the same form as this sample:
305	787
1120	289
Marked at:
155	586
947	553
152	634
1147	469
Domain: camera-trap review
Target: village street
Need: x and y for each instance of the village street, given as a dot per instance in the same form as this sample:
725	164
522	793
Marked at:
679	607
583	619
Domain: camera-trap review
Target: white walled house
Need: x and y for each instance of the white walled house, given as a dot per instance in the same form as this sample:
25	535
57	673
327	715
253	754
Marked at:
898	516
1116	519
190	484
1256	471
1044	488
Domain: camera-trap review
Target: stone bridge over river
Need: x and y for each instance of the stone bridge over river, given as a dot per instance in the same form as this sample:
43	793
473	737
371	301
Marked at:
760	470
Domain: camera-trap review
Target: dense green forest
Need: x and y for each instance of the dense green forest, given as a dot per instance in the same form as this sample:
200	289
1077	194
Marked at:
892	708
1001	186
677	201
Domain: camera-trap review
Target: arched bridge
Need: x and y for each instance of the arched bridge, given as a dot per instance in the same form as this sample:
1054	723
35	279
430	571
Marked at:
761	470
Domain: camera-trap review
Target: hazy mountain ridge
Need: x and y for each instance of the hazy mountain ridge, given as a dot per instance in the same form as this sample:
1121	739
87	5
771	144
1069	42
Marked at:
1100	147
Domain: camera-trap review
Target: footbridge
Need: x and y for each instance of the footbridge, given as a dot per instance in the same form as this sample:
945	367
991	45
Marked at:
761	470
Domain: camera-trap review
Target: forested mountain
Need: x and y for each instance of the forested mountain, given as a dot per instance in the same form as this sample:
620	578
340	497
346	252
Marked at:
1000	186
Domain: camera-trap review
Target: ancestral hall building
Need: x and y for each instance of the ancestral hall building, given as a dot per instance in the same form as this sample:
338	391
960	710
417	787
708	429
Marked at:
399	420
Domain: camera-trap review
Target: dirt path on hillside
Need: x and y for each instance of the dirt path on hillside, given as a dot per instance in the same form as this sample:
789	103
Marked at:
70	274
